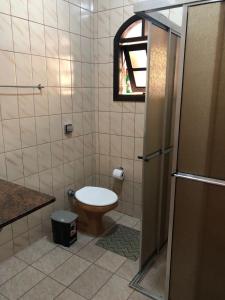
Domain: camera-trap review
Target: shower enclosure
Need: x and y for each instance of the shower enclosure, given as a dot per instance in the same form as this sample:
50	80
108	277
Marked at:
184	150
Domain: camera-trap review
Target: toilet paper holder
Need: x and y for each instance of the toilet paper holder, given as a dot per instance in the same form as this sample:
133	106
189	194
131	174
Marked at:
118	173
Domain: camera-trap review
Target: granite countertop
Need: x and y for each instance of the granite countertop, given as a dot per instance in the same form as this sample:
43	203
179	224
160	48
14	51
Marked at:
17	201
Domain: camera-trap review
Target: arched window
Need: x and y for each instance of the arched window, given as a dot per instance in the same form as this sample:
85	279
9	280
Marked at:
130	61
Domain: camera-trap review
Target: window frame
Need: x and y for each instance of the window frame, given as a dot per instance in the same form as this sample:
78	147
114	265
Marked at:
118	51
131	70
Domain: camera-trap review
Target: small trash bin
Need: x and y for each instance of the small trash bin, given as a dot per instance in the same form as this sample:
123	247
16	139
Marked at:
64	227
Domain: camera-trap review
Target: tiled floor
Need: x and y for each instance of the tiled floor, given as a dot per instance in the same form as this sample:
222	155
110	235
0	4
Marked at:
84	271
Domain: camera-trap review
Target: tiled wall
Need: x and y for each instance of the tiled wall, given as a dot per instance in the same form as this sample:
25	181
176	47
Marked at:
47	42
67	47
119	125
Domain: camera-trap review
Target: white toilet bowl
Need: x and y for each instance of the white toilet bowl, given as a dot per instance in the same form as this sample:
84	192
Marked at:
92	203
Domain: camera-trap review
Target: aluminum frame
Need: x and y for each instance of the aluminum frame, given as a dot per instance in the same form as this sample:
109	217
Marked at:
157	5
143	269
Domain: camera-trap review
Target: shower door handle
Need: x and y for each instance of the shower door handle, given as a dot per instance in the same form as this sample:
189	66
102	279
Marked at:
144	158
148	157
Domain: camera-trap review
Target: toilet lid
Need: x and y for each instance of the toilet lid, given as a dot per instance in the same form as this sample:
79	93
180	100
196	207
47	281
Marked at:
96	196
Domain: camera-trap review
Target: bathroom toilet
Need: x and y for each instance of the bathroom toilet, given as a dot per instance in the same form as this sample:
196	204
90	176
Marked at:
92	203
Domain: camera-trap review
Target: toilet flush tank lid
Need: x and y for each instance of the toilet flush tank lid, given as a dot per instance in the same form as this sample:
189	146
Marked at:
96	196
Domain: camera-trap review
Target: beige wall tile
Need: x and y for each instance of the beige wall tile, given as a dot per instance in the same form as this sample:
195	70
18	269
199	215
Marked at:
9	106
23	69
19	227
6	41
14	164
21	35
63	15
3	173
39	71
75	19
50	13
116	145
28	132
75	44
37	39
54	100
104	144
44	157
7	73
11	134
26	104
128	124
57	153
53	71
139	125
35	11
127	147
5	6
116	20
55	127
51	42
43	129
19	8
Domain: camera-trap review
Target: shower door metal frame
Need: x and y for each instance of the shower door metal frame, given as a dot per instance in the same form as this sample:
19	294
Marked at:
163	151
172	29
146	7
159	152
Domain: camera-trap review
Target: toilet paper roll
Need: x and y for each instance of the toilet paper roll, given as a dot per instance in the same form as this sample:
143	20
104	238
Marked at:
118	174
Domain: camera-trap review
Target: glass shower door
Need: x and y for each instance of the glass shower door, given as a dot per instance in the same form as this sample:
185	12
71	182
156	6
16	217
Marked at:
153	139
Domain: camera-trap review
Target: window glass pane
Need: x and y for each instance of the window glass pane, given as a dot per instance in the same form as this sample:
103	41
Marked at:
134	30
125	86
140	78
138	59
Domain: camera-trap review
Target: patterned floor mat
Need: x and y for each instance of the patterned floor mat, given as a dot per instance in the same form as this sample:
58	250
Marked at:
122	240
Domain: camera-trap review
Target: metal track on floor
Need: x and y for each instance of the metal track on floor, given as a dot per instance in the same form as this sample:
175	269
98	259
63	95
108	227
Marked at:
135	282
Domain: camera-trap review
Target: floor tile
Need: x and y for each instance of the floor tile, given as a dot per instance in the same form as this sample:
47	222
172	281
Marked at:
21	283
70	270
114	215
138	226
128	270
10	267
68	295
49	262
115	289
91	252
128	221
110	261
82	241
138	296
108	223
47	289
90	281
2	297
36	250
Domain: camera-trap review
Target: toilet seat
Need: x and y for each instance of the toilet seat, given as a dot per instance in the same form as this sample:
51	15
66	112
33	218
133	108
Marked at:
96	196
